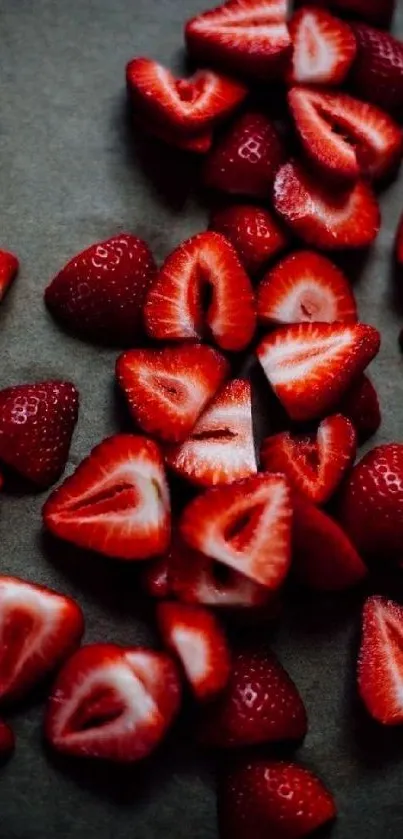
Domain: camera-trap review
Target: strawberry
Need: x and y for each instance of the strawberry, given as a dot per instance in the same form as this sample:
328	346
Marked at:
305	286
247	158
246	525
377	74
253	231
220	449
361	405
261	704
39	629
100	293
378	12
314	464
202	289
324	48
7	741
116	502
324	217
196	637
198	143
380	662
155	578
9	266
344	137
261	798
36	426
112	703
399	242
311	365
249	37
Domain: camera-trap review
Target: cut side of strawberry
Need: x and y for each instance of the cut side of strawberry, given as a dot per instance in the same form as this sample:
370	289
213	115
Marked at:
198	143
253	231
116	502
361	405
324	48
9	266
311	365
7	741
380	661
377	74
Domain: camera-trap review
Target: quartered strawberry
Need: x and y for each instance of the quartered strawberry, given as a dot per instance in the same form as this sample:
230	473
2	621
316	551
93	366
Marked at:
377	74
100	293
38	629
9	266
255	234
195	636
168	389
112	703
378	12
380	660
246	526
36	426
155	578
202	289
311	365
324	48
198	143
313	464
305	286
220	449
399	242
7	741
323	216
361	405
116	502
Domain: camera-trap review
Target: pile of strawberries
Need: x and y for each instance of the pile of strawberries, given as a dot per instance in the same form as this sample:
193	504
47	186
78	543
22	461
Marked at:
218	526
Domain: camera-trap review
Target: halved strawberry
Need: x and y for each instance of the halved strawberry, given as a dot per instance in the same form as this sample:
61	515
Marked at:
305	286
168	389
326	217
253	231
377	74
399	242
196	637
198	143
39	628
116	502
324	48
201	288
314	464
112	703
155	578
361	405
9	266
380	661
7	741
311	365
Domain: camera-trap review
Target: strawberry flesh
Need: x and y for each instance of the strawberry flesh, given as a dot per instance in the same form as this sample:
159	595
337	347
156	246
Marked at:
324	48
253	231
9	266
380	660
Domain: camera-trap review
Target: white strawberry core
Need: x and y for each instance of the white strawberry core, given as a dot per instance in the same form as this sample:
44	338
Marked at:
191	647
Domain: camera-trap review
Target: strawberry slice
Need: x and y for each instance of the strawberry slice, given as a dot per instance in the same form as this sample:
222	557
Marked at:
246	525
254	233
39	629
7	741
220	449
197	639
314	464
9	266
116	502
202	287
155	578
377	74
380	661
305	286
112	703
324	217
324	48
311	365
361	405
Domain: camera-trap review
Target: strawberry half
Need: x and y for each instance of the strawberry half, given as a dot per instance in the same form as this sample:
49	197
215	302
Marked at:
305	286
324	217
377	74
168	389
9	266
246	525
202	288
253	231
197	639
7	741
112	703
380	661
399	242
39	629
36	426
220	449
314	464
324	48
116	502
361	405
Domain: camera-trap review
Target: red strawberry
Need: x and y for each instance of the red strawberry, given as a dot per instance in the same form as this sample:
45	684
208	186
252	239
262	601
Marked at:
100	293
202	288
112	703
311	365
116	502
9	266
198	143
378	12
380	661
249	37
196	637
7	741
361	405
324	48
220	449
313	464
254	233
155	578
247	158
263	798
39	629
378	69
246	525
399	242
305	286
36	426
324	217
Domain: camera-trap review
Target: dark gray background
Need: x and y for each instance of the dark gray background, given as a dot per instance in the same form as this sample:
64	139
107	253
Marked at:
69	176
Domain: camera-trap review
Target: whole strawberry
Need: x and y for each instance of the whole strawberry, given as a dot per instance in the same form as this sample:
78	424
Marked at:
377	74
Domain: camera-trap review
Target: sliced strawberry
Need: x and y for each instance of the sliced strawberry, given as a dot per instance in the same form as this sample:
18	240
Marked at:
112	703
314	464
378	12
305	286
253	231
361	405
399	242
39	629
202	287
36	426
9	266
324	48
380	661
198	143
378	69
311	365
7	741
220	449
246	525
155	578
116	502
196	637
323	216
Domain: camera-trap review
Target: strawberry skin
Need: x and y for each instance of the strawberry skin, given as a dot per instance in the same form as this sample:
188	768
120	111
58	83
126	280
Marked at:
9	266
7	741
380	662
253	231
399	242
378	12
377	74
155	578
324	48
361	405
